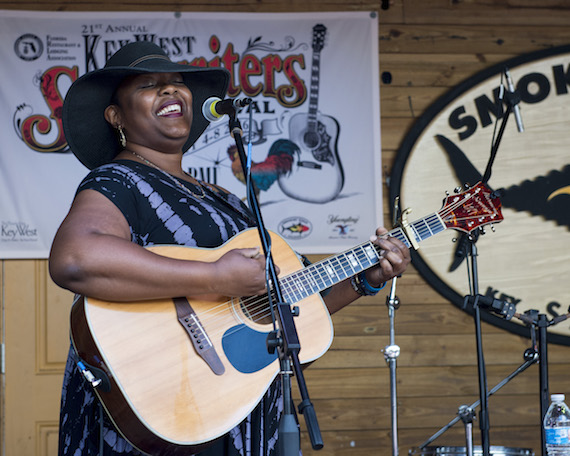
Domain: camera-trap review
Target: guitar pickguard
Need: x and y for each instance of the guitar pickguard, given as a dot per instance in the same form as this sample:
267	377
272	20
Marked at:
321	147
246	349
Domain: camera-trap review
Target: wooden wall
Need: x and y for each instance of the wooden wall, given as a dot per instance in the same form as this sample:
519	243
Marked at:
428	47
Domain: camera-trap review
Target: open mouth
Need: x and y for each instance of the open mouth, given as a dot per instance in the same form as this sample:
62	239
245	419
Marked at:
173	108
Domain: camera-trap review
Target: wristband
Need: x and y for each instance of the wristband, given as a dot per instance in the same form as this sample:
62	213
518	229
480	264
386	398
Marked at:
361	286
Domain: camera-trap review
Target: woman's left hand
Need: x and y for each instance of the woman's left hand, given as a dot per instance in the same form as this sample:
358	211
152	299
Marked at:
394	261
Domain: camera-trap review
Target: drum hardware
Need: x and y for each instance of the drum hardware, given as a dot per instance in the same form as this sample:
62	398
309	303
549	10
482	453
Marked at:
466	413
461	451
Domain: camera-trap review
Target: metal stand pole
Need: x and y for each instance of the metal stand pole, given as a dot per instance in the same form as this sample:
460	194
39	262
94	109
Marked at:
391	353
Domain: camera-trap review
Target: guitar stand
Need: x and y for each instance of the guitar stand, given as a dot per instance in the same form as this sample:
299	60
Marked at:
284	337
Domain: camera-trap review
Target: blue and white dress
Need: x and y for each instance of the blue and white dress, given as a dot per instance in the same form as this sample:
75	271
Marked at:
160	212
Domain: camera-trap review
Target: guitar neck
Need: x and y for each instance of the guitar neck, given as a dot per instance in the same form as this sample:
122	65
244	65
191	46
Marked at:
330	271
314	92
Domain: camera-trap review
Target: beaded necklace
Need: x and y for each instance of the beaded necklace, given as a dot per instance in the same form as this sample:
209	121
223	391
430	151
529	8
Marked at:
172	178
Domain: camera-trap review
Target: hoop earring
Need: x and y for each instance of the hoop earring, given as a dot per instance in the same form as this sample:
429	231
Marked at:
122	137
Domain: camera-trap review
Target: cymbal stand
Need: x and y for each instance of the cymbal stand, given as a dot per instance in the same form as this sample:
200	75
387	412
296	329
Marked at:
531	356
467	414
391	353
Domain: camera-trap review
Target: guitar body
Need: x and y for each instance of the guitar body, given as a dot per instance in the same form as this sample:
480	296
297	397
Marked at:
163	397
316	175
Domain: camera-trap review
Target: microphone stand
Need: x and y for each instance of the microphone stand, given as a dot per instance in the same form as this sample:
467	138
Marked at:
474	288
285	339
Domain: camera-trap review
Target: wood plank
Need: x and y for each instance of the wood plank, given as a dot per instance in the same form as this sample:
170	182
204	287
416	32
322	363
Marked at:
410	319
433	350
428	413
394	14
435	70
469	39
393	130
497	13
430	381
408	101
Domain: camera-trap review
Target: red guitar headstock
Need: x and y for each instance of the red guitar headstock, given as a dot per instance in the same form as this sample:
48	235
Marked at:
470	209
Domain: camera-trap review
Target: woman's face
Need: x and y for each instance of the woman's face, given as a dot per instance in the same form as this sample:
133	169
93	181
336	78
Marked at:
155	110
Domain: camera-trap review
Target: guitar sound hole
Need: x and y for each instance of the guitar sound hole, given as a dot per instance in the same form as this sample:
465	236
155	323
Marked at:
311	139
256	310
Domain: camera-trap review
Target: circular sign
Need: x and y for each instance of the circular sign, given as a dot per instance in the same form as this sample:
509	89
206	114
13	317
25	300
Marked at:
28	47
524	263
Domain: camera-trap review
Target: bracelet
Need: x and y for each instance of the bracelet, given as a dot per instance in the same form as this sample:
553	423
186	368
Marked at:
361	286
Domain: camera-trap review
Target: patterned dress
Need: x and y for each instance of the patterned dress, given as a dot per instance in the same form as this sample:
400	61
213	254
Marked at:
159	211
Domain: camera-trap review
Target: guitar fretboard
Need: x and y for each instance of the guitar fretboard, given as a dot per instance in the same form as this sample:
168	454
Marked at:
326	273
314	94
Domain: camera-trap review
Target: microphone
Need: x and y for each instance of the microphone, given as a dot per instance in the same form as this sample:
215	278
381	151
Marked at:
503	308
514	101
214	107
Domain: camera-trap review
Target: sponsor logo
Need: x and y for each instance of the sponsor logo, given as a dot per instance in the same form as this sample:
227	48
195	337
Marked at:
295	228
17	232
342	227
28	47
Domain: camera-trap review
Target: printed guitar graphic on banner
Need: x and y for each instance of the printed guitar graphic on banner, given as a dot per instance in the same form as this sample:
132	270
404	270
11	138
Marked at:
176	374
316	175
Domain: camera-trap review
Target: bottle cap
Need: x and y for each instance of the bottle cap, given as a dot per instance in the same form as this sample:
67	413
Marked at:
557	397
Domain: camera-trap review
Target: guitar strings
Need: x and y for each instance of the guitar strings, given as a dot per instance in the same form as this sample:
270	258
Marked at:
256	308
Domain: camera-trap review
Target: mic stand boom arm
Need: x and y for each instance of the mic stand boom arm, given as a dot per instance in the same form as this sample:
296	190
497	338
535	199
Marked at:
286	340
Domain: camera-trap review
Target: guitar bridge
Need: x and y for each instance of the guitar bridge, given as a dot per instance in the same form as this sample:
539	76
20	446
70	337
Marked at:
200	340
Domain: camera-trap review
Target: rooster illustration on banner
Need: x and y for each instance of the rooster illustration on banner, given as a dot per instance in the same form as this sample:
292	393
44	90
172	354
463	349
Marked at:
306	166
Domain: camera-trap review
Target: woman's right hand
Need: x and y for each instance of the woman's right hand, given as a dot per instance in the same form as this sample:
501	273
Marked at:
241	272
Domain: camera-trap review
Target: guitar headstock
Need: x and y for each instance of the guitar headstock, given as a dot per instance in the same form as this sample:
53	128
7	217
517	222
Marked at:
475	207
319	32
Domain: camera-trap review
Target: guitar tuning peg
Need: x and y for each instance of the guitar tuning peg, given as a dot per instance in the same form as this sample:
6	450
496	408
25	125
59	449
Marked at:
446	193
482	230
457	189
454	240
466	186
492	227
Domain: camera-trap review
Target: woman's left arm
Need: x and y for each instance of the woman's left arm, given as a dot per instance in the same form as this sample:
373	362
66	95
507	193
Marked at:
395	257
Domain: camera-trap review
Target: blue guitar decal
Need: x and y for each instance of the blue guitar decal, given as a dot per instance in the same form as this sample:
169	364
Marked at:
246	349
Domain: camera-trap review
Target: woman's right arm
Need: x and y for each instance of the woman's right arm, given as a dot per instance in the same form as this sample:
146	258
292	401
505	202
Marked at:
92	254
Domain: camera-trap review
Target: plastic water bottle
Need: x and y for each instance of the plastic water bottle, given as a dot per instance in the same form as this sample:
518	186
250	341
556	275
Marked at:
557	427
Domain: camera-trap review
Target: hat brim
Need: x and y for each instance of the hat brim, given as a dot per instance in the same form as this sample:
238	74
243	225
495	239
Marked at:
92	139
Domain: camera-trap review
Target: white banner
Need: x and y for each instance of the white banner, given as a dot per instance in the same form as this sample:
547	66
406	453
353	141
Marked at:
313	79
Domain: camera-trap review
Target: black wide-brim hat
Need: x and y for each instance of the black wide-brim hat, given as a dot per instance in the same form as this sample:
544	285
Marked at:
91	138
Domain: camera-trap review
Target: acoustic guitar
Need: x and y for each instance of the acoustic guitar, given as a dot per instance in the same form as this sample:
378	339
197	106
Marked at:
175	374
316	175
